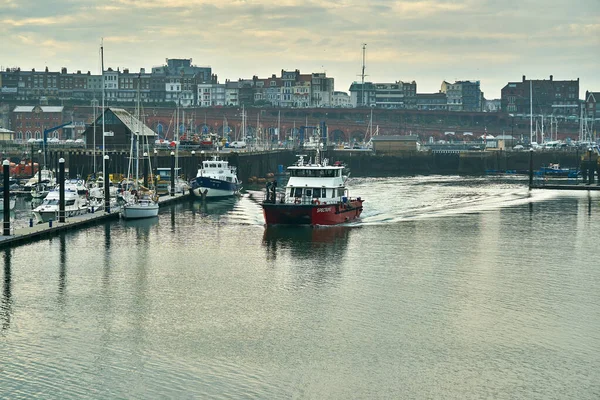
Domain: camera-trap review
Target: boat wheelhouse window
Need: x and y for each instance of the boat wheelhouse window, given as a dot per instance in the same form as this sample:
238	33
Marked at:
317	193
219	166
297	192
70	202
340	192
229	179
213	165
308	192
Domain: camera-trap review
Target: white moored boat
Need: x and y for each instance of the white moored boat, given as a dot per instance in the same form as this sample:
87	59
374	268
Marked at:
74	205
216	179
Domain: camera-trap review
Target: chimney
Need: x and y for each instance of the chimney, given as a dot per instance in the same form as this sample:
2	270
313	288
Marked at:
125	70
550	78
273	76
89	73
523	78
63	70
142	70
78	72
32	69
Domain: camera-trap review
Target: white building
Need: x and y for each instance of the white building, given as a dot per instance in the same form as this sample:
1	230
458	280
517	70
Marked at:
341	99
111	84
232	94
211	94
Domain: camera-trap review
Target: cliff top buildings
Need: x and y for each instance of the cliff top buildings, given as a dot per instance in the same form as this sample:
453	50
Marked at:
549	97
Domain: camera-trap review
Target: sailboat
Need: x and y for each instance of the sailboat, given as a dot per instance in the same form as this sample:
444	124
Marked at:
140	201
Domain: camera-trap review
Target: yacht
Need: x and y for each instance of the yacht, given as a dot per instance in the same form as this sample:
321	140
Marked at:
74	205
216	179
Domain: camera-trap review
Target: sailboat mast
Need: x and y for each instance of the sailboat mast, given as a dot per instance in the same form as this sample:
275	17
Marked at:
278	125
103	111
362	81
530	112
94	107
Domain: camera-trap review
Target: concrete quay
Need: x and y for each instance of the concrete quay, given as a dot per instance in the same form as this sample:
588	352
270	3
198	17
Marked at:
26	235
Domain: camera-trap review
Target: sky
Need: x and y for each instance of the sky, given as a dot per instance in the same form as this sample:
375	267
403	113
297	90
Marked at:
428	41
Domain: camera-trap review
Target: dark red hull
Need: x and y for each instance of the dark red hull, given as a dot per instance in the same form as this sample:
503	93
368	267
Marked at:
311	214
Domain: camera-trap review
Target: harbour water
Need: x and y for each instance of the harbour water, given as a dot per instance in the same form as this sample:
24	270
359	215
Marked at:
448	287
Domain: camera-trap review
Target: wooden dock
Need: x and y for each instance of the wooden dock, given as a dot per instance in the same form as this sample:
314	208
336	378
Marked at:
46	230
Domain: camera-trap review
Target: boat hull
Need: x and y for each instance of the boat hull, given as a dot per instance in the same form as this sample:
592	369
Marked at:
43	216
311	214
213	188
138	211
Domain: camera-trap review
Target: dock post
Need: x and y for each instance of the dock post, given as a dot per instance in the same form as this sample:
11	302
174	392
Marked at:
6	172
61	193
145	169
172	191
530	168
590	168
106	186
194	164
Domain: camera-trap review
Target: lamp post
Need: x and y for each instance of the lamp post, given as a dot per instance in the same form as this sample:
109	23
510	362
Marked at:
172	191
61	194
590	169
106	179
6	199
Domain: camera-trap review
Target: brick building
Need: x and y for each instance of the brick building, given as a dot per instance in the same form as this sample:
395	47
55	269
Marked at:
550	97
29	122
592	105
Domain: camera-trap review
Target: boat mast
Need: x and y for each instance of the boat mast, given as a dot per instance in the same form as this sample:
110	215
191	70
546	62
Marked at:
530	112
94	107
362	81
137	139
103	111
278	125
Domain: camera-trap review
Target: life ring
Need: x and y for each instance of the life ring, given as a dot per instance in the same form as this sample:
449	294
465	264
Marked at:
297	201
317	202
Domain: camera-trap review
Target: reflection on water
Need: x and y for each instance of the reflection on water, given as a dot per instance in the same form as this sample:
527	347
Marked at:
6	304
214	207
306	241
447	288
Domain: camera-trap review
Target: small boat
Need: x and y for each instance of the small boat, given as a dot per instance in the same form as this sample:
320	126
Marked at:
216	179
556	170
163	185
315	194
141	203
74	205
47	177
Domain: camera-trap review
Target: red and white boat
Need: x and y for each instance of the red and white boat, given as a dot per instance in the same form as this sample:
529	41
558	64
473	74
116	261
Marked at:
315	194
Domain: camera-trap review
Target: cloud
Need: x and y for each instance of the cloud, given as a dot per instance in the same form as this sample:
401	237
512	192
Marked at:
424	40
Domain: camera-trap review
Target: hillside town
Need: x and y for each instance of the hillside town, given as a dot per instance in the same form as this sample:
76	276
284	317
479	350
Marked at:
179	83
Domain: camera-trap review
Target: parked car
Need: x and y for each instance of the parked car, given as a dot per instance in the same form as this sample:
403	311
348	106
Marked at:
237	145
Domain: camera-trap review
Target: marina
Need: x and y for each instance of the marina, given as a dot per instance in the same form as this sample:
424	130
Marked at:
465	282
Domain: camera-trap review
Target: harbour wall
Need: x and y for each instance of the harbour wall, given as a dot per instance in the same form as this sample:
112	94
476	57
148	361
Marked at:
361	163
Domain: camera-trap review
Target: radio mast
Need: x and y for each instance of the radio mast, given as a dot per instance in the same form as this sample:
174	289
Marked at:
364	49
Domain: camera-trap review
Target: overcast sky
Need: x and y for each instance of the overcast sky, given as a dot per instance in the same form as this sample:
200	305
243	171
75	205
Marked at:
423	40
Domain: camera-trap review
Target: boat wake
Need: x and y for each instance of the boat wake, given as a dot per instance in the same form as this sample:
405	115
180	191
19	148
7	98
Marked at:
390	200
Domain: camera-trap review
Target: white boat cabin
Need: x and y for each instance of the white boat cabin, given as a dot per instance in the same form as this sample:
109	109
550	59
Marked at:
315	183
218	169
